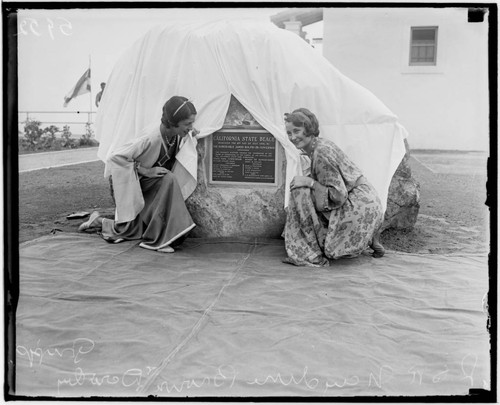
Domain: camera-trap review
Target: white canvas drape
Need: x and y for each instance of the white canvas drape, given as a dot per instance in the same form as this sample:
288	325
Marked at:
269	70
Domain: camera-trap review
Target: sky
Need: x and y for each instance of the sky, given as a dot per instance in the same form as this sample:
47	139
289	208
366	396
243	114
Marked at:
55	47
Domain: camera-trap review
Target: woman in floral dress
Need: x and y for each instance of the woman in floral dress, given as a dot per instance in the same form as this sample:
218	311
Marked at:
335	212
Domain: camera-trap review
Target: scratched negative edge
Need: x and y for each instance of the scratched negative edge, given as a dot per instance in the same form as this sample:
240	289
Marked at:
142	389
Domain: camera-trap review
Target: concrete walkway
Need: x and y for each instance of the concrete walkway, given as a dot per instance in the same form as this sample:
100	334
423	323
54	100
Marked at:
451	162
46	160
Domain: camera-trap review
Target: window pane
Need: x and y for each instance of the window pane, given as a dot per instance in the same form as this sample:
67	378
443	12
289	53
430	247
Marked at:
423	45
424	34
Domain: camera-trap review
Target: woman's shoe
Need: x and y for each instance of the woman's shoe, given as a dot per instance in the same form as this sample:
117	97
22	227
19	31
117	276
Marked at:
378	249
91	223
111	240
166	249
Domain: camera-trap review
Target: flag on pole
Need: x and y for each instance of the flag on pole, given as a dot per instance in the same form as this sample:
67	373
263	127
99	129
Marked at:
81	87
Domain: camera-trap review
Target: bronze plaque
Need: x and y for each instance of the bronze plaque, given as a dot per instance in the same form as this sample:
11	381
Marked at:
243	156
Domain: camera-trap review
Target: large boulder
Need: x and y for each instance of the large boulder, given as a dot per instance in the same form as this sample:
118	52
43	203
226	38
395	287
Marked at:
237	209
234	210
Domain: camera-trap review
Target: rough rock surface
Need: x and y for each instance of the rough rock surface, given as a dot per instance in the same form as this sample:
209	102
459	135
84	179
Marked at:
246	211
403	202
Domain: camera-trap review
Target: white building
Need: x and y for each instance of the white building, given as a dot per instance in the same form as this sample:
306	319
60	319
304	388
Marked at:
428	65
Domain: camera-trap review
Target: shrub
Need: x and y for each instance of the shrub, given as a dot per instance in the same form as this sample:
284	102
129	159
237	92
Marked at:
87	138
66	141
32	134
48	137
35	138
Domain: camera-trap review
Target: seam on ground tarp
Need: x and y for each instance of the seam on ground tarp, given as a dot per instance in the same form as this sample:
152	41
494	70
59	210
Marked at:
107	261
111	257
195	328
254	243
483	255
57	235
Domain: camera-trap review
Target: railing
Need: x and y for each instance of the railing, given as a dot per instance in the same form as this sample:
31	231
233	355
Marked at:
58	118
89	116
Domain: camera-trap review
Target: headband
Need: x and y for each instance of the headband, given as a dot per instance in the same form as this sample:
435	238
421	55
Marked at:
301	114
182	105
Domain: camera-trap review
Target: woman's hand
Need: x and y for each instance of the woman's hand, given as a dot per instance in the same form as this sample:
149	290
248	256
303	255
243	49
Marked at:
301	181
152	172
194	132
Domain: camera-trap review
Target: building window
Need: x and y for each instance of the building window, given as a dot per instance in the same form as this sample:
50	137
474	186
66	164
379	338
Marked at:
423	46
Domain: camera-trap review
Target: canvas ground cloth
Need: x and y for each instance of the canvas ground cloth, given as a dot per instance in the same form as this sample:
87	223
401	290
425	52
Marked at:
228	318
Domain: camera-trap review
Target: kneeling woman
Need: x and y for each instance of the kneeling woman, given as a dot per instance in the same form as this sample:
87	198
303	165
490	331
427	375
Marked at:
149	201
334	213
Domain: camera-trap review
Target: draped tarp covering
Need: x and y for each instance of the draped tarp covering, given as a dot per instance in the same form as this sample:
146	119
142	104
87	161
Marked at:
226	318
269	70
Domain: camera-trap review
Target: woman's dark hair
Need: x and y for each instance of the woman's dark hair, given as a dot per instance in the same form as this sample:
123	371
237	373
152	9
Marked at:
302	117
175	110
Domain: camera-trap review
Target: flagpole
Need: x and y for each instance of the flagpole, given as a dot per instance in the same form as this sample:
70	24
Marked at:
90	71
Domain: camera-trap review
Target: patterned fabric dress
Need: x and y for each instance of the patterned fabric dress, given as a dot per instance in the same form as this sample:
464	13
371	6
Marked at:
338	217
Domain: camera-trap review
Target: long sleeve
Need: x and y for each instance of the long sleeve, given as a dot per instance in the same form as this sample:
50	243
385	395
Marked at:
329	190
127	189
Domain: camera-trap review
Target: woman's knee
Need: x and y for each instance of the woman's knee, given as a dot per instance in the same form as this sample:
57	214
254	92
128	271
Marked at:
300	192
301	196
168	178
169	182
